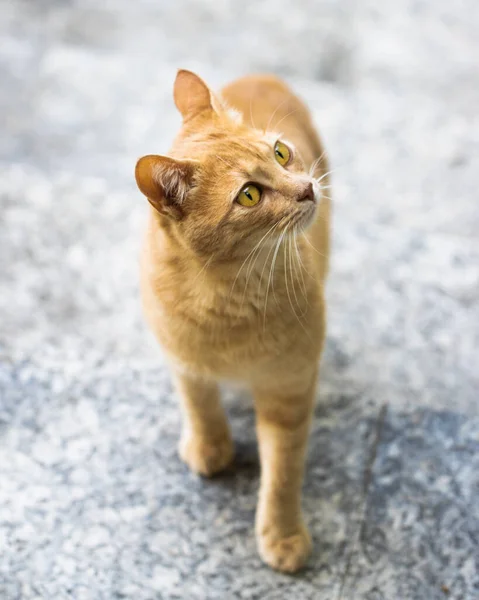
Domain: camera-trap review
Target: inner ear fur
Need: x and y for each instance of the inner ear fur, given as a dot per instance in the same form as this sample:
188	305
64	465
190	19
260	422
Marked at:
165	182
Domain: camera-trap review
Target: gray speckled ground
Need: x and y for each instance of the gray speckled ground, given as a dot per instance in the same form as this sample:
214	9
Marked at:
94	502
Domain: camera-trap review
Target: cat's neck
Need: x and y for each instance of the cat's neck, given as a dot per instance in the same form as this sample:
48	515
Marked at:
250	280
281	269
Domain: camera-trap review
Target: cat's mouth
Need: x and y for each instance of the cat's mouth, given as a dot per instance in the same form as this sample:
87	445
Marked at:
305	216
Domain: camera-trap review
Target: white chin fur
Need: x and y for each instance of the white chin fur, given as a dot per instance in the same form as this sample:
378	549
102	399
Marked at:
317	191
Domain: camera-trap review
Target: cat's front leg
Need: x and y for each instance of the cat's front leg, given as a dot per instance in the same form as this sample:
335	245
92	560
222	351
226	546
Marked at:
282	426
205	445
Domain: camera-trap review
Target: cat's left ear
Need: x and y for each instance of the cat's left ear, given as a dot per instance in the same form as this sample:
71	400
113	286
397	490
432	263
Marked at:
192	96
165	182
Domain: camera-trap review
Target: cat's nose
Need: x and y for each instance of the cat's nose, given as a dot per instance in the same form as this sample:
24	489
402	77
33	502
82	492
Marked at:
307	193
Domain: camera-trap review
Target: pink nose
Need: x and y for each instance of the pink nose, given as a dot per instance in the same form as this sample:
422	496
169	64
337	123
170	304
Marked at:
307	193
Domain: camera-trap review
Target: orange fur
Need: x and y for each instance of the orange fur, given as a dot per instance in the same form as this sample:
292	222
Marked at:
236	293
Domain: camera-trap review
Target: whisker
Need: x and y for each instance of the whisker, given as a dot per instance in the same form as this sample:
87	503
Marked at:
291	303
265	264
317	251
266	260
252	251
312	169
203	268
271	275
254	260
274	112
295	268
291	273
319	179
251	111
323	197
285	117
251	267
301	267
313	166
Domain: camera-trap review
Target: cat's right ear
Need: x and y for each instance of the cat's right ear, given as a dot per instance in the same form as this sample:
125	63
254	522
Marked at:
193	96
165	182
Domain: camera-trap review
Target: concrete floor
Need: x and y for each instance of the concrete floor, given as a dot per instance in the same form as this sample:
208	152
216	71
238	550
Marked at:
94	502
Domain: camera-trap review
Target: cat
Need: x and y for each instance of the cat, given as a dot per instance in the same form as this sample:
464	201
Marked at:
232	280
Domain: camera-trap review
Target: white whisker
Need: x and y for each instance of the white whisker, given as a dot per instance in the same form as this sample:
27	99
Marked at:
285	116
266	260
319	179
253	263
301	267
326	197
274	112
203	268
315	163
251	111
291	272
256	247
271	275
291	303
317	251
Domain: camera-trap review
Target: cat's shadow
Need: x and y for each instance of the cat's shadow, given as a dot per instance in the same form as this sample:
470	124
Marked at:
245	464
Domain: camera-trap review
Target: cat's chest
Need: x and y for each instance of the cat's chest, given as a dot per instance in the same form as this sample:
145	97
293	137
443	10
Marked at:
230	333
235	353
215	342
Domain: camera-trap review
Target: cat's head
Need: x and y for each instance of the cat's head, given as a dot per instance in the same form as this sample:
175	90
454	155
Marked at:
225	186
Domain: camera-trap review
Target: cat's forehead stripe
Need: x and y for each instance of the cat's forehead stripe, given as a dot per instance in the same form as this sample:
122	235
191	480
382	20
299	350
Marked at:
260	173
245	149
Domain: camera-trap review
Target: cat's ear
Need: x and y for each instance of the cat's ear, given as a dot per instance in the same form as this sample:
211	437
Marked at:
165	182
193	96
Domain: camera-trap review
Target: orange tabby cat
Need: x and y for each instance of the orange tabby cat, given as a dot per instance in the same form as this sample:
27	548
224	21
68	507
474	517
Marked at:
232	282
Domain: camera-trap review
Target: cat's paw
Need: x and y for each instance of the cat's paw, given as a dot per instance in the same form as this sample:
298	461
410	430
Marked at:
286	554
206	457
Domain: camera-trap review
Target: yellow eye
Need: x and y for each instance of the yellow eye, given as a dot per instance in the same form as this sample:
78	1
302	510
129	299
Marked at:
250	195
282	153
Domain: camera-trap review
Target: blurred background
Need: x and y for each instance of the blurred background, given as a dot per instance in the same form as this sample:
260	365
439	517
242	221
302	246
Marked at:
94	502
